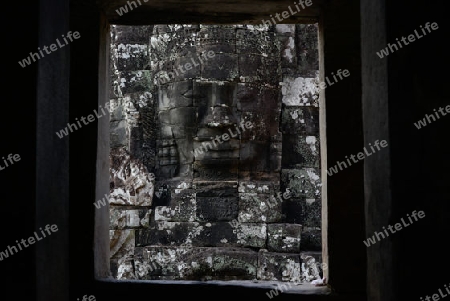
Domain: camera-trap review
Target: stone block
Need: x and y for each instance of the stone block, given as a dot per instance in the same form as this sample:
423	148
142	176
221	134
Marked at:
300	151
162	233
213	209
284	238
311	239
216	234
300	121
131	34
233	264
252	235
254	208
303	182
278	266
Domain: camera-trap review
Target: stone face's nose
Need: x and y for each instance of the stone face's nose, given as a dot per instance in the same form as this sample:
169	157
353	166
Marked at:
219	117
219	107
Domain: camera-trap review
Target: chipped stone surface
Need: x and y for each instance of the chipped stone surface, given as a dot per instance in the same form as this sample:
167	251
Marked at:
312	266
123	218
123	270
279	266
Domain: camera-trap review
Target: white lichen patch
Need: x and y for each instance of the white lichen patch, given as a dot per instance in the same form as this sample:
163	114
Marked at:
311	142
291	271
312	175
310	201
182	186
125	270
299	92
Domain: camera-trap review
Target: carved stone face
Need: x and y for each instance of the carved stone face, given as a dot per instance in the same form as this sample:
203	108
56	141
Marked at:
216	125
206	134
